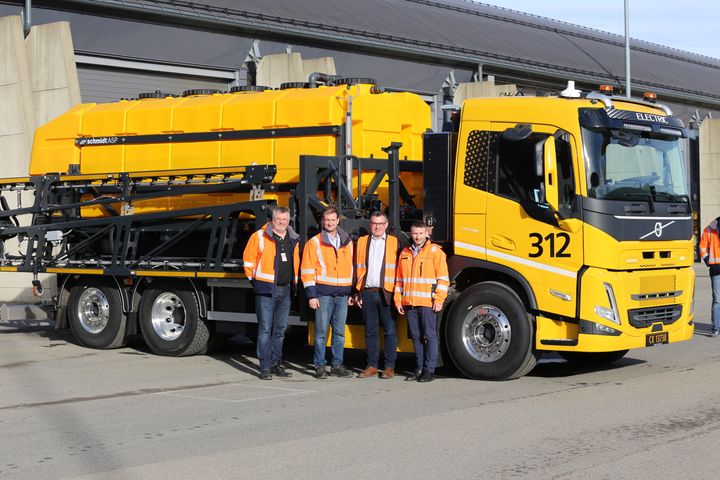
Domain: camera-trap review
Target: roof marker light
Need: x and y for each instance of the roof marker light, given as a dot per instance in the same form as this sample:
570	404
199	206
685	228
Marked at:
606	89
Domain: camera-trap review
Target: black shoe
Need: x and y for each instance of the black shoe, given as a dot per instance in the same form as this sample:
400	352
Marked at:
265	375
414	376
280	371
340	371
320	372
427	376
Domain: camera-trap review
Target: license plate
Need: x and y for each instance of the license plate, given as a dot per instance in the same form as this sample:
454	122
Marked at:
657	338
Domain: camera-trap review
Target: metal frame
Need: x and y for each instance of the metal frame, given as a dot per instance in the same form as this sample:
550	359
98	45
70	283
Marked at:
326	177
59	200
57	207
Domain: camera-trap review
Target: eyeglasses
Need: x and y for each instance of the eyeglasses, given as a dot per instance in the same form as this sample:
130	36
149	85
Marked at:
376	224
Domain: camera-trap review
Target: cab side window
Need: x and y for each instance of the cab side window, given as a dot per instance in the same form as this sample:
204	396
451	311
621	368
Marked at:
507	165
517	176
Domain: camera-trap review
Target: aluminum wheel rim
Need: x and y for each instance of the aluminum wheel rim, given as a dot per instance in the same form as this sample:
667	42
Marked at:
486	333
168	316
93	310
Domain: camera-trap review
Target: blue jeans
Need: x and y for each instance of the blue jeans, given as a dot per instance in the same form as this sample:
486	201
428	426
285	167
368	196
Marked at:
376	312
272	313
715	315
422	323
332	311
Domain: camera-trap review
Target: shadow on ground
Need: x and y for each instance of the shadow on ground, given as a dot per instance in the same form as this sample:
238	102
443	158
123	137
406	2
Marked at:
552	365
239	353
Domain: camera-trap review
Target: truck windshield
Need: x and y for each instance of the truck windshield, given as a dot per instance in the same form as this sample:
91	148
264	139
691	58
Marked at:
625	164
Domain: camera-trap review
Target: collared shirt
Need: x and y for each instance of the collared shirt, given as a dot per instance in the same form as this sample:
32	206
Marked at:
334	241
375	262
284	259
415	249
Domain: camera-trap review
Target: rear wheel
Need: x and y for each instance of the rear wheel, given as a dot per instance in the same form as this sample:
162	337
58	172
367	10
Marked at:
489	335
170	321
592	358
95	314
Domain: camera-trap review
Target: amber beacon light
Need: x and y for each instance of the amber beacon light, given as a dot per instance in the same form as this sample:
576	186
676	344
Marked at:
650	97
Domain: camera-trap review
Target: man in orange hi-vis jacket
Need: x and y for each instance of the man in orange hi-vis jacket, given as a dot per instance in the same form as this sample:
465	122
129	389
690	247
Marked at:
420	291
271	260
710	253
327	275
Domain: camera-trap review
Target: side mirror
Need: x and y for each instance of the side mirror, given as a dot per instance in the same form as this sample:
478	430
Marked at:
518	133
551	178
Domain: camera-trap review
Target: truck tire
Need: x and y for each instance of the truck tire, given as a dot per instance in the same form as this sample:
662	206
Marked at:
592	358
489	335
96	316
170	321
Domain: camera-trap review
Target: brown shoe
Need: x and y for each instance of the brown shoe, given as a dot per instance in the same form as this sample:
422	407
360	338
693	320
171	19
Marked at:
368	372
388	373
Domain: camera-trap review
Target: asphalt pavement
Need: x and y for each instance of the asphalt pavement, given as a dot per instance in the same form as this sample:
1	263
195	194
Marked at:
71	412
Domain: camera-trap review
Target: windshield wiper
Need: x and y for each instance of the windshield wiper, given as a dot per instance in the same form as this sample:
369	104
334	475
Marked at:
672	197
646	196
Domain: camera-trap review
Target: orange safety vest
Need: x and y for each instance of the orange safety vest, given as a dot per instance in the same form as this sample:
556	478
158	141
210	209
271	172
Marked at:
422	279
324	270
389	261
710	244
259	258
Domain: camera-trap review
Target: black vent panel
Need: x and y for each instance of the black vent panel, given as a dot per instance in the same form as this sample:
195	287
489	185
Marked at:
644	317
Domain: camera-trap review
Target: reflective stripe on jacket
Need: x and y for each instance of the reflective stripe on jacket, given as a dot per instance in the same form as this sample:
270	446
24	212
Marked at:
324	270
422	279
389	261
260	259
710	244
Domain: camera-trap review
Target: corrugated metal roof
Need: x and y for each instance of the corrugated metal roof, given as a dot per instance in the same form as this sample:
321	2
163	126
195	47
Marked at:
455	31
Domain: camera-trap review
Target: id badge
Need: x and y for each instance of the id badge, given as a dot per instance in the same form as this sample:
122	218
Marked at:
283	256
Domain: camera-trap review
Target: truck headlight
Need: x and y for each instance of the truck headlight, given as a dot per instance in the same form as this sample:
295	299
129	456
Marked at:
611	313
605	313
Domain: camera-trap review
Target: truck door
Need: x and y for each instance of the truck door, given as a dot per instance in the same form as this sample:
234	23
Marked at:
530	212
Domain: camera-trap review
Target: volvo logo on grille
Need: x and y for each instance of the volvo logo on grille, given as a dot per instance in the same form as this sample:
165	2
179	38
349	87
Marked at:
658	230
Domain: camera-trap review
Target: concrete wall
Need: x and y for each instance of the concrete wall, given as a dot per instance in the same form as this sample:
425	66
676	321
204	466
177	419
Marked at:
17	118
276	69
486	88
38	82
322	65
709	171
17	127
51	59
280	68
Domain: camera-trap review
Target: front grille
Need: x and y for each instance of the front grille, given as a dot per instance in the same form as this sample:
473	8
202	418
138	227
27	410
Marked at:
644	317
655	296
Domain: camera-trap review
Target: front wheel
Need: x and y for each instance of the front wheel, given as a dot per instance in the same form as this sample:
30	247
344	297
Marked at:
489	335
170	321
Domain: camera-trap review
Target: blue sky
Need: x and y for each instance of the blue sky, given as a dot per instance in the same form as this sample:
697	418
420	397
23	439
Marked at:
691	25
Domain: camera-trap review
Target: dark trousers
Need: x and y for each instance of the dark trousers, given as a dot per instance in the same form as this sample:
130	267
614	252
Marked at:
422	323
272	313
375	313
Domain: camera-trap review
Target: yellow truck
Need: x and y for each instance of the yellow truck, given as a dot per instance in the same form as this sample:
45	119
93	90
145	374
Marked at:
565	219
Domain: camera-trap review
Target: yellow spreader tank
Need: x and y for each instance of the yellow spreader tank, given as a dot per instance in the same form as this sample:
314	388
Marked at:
203	130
